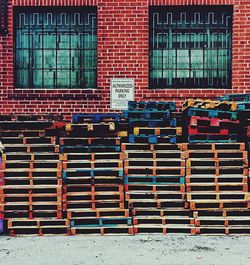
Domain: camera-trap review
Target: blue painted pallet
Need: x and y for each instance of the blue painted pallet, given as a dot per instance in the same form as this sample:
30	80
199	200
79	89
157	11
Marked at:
95	118
152	139
146	114
211	113
208	138
241	106
89	148
92	172
235	97
99	222
1	227
153	123
153	180
154	105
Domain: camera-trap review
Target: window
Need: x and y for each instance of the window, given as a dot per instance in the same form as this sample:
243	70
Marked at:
56	48
190	47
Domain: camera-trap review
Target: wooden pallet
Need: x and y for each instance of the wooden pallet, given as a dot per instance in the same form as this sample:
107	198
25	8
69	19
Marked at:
176	187
218	196
91	156
30	164
162	220
150	195
118	230
97	213
222	230
219	204
76	141
28	140
163	154
154	171
164	229
216	154
84	204
150	147
217	187
152	203
151	162
210	104
153	180
214	146
211	178
160	131
23	156
93	164
100	222
31	148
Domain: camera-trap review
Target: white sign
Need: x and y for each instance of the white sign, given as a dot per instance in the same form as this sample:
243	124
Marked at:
122	91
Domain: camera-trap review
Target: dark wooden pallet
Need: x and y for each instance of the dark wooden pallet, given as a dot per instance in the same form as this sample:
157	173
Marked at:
91	156
155	171
222	230
97	213
24	156
151	195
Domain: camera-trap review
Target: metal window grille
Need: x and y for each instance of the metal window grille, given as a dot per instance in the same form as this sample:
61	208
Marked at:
190	47
56	48
3	17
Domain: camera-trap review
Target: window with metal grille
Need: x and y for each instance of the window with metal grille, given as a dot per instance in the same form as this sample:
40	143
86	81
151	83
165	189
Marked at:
190	47
56	48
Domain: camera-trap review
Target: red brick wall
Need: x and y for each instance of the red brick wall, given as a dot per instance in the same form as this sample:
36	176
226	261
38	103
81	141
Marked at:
122	52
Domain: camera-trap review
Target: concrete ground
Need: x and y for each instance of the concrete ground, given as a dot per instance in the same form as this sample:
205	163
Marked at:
125	250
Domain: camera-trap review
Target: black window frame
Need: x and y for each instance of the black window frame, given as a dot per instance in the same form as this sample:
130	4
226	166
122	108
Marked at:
193	8
83	10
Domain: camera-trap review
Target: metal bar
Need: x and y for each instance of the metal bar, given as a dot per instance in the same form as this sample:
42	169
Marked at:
189	71
4	17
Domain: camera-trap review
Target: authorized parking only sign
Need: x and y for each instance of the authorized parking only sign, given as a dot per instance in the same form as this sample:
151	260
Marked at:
122	91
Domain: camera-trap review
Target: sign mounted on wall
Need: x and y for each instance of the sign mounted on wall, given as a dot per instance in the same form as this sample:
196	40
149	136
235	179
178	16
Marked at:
121	92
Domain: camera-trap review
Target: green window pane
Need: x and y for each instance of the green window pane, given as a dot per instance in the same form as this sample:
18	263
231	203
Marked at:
49	59
37	60
183	59
196	59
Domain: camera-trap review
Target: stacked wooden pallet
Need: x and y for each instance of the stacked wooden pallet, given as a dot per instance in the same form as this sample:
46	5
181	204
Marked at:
151	122
93	195
2	228
31	186
217	188
207	121
242	102
154	170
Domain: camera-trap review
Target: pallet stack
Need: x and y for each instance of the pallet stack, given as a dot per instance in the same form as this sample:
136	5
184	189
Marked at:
2	228
93	195
206	121
154	170
217	188
151	122
242	102
31	185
